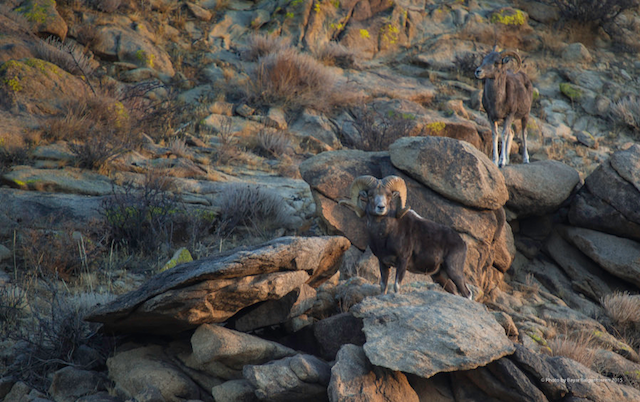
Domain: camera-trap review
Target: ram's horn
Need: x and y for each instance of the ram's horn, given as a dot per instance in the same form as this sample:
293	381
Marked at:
511	53
360	183
395	183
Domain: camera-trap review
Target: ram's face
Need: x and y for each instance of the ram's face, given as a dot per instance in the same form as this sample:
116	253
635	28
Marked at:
491	64
378	200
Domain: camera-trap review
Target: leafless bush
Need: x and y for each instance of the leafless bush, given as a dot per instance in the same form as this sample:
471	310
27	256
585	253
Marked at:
55	253
294	80
107	6
67	56
13	303
97	128
595	12
335	54
261	45
255	208
275	143
56	336
626	112
467	63
142	218
379	130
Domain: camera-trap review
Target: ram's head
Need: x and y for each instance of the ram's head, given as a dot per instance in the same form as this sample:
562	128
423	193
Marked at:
496	63
377	197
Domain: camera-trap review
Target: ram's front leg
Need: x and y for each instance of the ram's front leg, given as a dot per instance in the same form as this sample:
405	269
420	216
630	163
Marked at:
384	277
401	269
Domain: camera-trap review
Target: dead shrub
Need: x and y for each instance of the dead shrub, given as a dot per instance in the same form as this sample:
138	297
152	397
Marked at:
97	129
467	63
294	80
13	151
335	54
262	45
624	311
576	345
55	253
142	217
67	56
594	12
626	112
274	143
256	209
57	336
377	130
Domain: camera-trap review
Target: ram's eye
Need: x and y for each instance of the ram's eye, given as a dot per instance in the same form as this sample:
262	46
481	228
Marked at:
363	196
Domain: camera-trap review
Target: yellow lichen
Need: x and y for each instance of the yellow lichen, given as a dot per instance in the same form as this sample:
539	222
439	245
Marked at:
146	58
390	33
436	128
364	34
37	11
508	16
14	83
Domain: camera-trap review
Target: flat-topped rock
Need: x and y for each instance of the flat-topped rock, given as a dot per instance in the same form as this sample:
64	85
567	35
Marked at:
212	290
429	332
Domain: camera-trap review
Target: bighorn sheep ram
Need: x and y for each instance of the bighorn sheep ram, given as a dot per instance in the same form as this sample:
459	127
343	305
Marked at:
507	96
401	238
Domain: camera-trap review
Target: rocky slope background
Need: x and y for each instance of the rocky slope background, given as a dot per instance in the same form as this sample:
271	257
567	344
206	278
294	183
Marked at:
171	171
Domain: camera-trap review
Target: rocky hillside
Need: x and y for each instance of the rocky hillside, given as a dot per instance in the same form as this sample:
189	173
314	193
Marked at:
170	178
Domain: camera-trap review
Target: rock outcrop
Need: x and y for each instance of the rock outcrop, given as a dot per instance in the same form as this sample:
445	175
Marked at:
214	289
425	333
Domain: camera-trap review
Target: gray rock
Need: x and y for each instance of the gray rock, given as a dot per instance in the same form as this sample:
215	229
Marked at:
539	188
355	379
69	384
301	377
315	124
214	346
67	180
453	169
586	139
426	333
279	311
234	391
619	256
101	396
576	53
334	332
213	289
146	373
608	200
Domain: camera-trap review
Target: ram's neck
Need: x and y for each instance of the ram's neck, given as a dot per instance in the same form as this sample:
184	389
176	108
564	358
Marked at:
381	226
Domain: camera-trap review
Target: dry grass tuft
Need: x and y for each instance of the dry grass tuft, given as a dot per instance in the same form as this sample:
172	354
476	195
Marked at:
622	307
335	54
626	112
275	143
378	130
294	80
258	209
578	346
262	45
67	56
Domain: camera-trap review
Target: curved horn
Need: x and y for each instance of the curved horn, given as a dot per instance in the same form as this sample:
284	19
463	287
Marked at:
395	183
359	183
511	53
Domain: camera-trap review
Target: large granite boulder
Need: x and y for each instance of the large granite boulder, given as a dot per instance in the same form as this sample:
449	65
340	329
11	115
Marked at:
214	289
223	352
539	188
354	379
617	255
147	373
453	169
330	174
608	202
296	378
429	332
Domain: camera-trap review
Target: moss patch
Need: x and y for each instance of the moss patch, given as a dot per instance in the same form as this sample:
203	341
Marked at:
570	91
37	11
180	257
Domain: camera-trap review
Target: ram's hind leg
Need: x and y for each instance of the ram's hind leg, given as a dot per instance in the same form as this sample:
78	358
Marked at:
454	266
444	281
